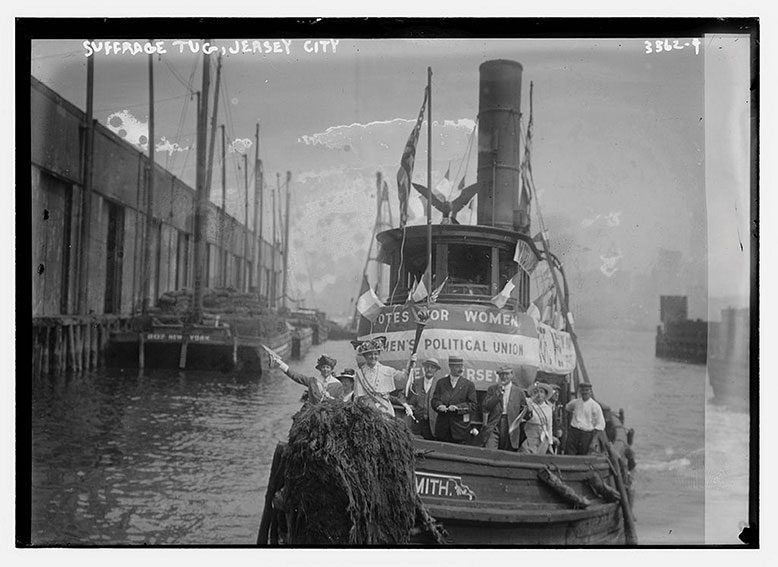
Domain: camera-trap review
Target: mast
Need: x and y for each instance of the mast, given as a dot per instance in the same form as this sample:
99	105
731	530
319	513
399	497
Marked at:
86	195
256	248
222	260
286	234
214	115
245	222
149	196
201	199
275	242
429	185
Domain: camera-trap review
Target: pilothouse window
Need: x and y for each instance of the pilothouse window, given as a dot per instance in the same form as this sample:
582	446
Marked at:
470	265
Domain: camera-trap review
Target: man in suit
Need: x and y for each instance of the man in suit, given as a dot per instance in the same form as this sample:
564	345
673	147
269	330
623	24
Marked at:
455	402
420	399
503	403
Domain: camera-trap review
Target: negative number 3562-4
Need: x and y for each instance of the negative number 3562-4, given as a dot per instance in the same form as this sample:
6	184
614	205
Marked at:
660	45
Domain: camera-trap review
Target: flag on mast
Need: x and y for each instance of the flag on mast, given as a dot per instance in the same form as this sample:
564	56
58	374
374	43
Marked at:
405	173
525	257
435	294
369	306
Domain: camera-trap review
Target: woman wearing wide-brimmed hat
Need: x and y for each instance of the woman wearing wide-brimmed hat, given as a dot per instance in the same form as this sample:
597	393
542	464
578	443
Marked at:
324	386
539	427
375	381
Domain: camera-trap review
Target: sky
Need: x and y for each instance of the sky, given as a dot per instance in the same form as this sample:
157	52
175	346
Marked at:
633	151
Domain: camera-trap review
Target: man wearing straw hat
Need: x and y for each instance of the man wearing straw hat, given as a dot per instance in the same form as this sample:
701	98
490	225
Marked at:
420	399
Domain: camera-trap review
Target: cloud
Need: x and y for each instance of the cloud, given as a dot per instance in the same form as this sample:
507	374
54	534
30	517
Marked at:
608	266
240	146
338	137
166	145
613	218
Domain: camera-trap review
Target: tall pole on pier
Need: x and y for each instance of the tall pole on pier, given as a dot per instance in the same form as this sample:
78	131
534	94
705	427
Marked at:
429	184
275	242
86	191
286	234
245	222
149	196
201	198
223	258
256	253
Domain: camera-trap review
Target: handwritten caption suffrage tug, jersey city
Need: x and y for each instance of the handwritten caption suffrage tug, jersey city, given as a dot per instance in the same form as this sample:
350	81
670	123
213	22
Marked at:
225	47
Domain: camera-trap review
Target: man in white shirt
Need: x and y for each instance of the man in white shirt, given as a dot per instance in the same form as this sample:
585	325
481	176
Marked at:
586	421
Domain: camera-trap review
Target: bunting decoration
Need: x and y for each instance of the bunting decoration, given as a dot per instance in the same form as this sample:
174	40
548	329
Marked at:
501	298
405	173
435	294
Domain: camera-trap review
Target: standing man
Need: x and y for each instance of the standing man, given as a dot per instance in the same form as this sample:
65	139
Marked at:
420	399
586	421
455	402
504	402
324	386
375	381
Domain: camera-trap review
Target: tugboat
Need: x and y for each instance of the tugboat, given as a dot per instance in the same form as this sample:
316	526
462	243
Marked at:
500	300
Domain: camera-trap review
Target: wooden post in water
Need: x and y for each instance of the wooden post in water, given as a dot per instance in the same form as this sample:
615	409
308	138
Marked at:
255	248
71	348
245	285
46	349
149	196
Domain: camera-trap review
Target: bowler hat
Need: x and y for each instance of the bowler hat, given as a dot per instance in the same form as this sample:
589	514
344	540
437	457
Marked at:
432	361
325	360
584	386
505	370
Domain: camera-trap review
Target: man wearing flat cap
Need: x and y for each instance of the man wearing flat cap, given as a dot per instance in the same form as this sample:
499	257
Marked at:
420	399
586	421
375	381
455	402
324	386
504	402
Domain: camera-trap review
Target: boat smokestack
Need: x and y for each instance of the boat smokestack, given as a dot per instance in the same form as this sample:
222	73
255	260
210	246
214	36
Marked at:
499	112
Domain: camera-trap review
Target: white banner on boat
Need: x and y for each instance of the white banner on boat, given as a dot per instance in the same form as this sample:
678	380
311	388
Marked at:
556	350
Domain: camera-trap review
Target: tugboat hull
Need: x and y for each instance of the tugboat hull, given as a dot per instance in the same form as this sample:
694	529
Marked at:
490	497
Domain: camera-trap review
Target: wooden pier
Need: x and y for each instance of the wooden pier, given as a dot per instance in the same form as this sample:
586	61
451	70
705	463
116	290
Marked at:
72	343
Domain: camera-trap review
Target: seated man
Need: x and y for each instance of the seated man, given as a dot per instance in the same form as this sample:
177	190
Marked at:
503	403
455	401
586	421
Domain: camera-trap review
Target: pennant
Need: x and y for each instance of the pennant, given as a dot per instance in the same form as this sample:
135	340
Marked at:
444	187
419	292
405	173
502	298
435	294
533	312
369	306
525	257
